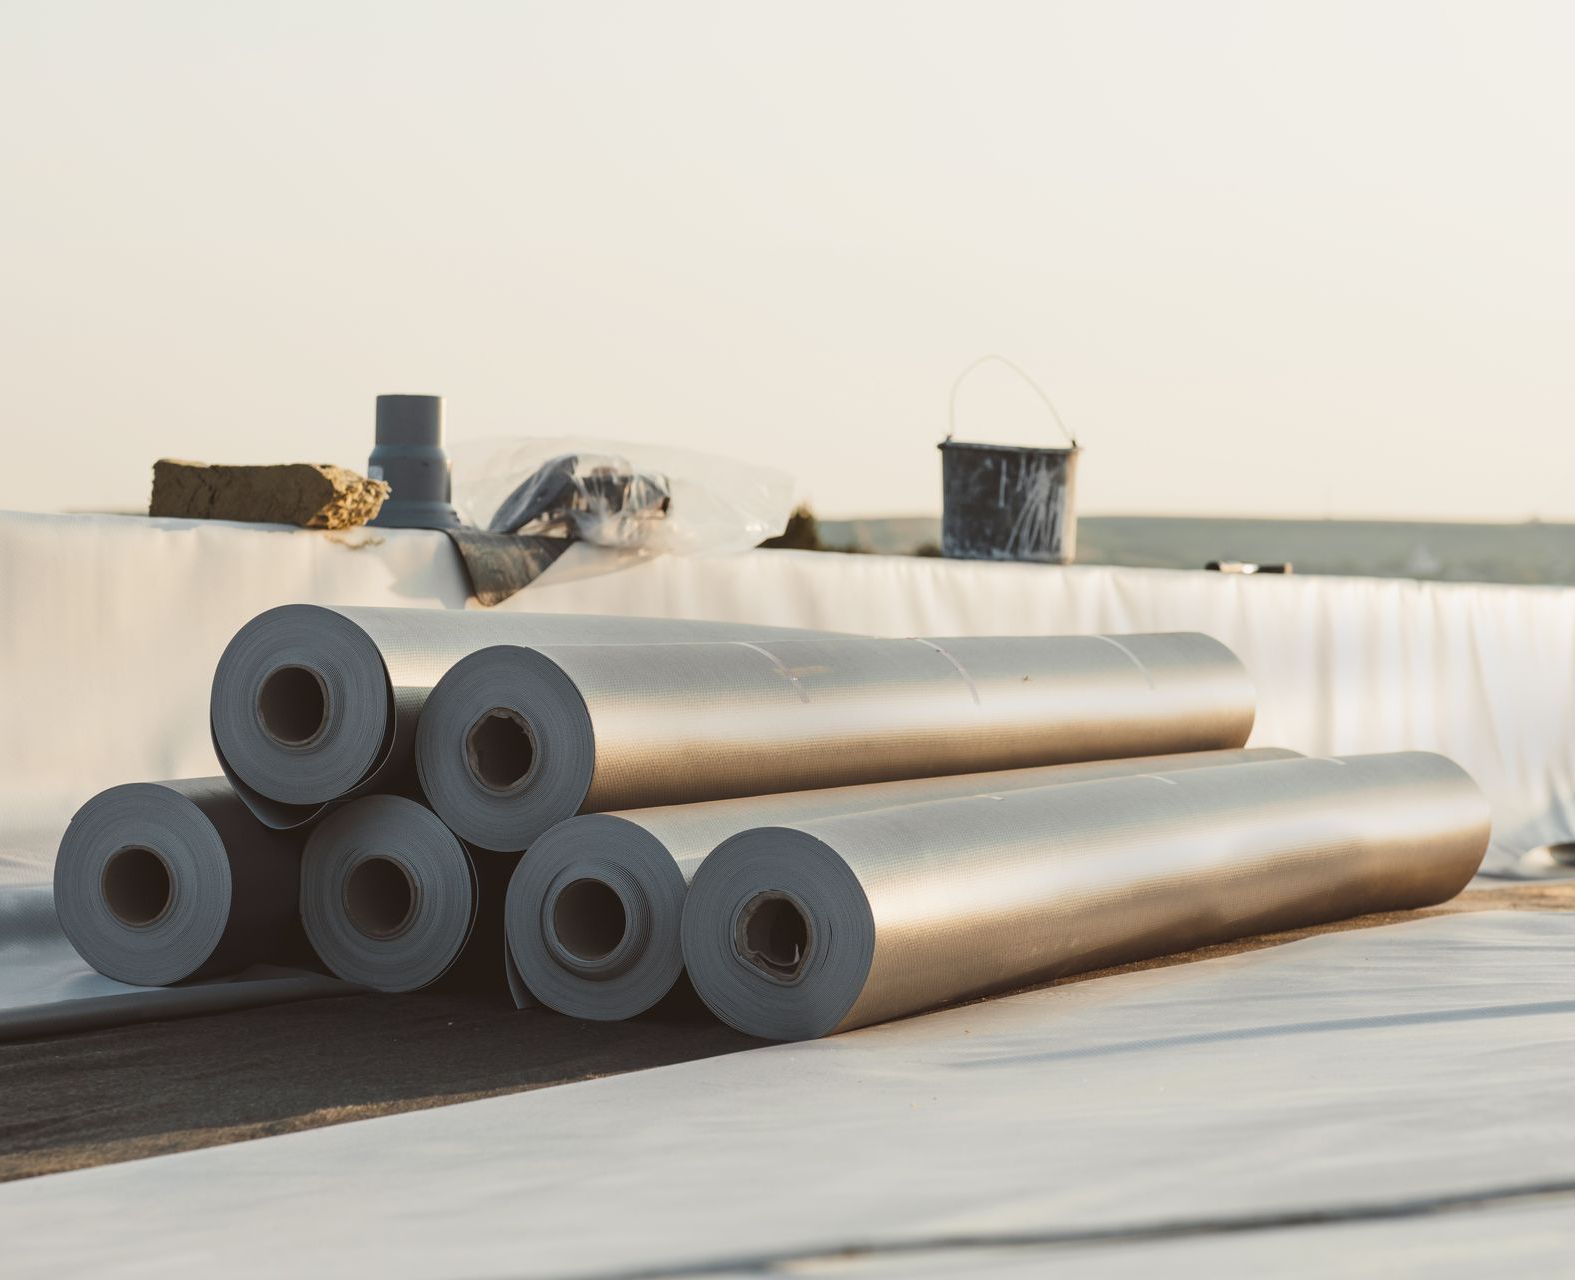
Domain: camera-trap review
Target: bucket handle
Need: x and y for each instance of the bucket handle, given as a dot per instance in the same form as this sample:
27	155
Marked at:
951	414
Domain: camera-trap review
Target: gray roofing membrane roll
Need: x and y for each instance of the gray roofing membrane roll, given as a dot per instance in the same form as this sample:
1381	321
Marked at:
793	932
158	882
393	900
514	739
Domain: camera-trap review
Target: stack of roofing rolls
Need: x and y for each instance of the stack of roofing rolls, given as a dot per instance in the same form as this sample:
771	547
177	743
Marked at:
826	830
313	714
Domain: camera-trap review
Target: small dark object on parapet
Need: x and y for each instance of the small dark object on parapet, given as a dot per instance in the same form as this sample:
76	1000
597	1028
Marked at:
1246	566
802	532
307	494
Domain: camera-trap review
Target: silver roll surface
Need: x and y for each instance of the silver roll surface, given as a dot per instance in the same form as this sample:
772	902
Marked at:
593	911
514	739
393	900
158	882
795	932
311	704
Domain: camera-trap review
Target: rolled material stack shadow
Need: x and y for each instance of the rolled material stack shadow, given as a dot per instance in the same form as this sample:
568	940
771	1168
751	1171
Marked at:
593	912
797	931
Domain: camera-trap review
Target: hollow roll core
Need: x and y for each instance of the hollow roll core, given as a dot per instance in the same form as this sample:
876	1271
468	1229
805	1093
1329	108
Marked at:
380	897
137	886
500	749
773	935
292	705
589	919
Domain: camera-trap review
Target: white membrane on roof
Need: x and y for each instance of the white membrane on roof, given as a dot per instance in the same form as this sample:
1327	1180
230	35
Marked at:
1348	1073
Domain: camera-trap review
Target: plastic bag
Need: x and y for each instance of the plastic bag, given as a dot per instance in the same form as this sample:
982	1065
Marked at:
594	497
650	499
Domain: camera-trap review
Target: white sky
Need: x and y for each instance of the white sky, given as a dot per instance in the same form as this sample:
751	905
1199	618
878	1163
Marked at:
1284	259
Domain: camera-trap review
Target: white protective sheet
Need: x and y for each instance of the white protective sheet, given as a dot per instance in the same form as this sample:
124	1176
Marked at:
115	686
37	964
1533	1236
1363	1074
45	987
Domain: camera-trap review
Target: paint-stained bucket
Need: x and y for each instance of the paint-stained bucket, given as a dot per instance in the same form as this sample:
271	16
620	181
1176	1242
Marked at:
1008	502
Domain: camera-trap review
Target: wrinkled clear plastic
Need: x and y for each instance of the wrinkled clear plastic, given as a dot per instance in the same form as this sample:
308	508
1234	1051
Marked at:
591	496
649	499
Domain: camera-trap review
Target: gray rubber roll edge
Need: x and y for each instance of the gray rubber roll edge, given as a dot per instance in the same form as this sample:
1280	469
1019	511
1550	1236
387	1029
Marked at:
514	739
593	912
311	705
795	932
392	900
159	882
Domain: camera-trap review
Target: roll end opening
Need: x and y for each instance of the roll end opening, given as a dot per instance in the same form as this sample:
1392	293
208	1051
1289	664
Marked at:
589	920
773	935
138	886
500	749
292	706
380	897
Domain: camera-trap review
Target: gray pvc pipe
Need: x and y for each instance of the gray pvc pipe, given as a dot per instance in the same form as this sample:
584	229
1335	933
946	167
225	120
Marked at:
409	457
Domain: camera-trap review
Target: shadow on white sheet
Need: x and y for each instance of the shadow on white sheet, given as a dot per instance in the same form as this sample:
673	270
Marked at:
47	989
1350	1072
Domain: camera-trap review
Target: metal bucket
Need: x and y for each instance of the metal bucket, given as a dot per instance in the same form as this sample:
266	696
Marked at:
1008	502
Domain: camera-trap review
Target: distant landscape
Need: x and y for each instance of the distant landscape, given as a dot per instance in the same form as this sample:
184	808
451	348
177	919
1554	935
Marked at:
1533	552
